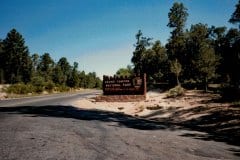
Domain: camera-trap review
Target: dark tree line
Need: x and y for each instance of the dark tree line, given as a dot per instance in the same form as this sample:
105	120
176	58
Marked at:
192	57
18	66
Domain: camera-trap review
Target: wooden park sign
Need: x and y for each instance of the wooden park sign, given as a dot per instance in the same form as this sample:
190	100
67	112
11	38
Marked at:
121	89
128	87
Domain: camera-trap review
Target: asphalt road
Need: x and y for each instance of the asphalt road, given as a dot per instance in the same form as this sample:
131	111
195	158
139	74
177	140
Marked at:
49	128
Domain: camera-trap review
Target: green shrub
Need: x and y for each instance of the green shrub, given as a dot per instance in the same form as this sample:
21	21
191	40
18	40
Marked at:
20	88
49	86
38	89
175	92
38	83
62	88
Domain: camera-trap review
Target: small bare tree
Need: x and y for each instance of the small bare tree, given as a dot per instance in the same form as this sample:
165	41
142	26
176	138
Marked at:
176	68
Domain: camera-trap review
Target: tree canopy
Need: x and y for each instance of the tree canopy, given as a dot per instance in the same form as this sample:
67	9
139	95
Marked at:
193	57
15	59
39	71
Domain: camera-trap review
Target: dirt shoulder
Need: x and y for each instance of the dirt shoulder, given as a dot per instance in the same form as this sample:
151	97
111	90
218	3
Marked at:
155	101
3	95
195	110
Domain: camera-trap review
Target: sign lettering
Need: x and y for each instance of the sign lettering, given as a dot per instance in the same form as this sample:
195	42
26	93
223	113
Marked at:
135	85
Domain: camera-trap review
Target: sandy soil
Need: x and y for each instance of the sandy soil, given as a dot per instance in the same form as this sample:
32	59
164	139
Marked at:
155	101
3	95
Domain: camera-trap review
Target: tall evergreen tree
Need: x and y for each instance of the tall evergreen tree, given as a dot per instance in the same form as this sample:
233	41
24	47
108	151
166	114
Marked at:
91	80
235	78
206	63
197	34
65	68
73	78
17	63
35	62
45	67
177	20
82	78
64	64
218	38
140	47
153	61
202	60
160	62
221	42
176	46
58	77
235	18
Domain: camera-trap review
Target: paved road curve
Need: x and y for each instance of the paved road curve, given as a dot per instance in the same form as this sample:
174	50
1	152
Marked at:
54	99
49	128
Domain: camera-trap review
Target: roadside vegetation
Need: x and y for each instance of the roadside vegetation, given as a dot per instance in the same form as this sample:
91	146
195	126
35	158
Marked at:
175	92
35	74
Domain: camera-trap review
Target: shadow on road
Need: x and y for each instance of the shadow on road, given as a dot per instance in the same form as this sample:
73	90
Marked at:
81	114
219	124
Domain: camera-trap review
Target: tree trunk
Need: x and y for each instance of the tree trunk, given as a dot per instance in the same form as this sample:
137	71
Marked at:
206	84
178	83
1	76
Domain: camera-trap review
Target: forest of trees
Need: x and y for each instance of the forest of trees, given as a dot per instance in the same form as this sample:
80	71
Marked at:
37	73
192	57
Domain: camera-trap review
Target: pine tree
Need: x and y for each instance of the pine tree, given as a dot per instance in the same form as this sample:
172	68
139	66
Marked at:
153	61
35	63
58	77
235	18
177	20
65	68
206	63
45	67
160	62
202	60
140	47
73	78
17	63
176	46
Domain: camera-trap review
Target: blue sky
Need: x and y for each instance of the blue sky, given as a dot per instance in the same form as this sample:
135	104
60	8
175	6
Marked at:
99	34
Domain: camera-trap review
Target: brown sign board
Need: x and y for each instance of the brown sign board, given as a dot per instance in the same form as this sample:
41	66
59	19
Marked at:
134	85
